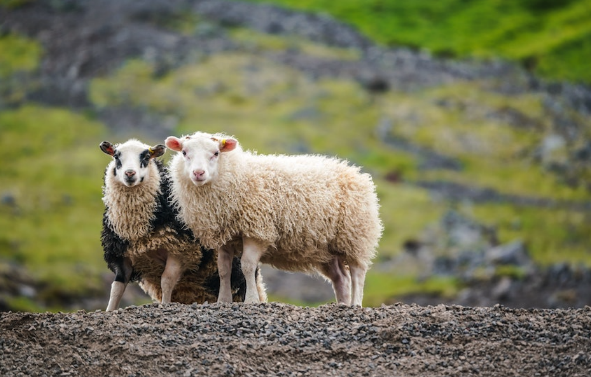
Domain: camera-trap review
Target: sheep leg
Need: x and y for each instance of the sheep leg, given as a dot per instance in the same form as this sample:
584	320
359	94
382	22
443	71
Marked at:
261	286
358	281
225	256
252	252
123	271
171	275
338	274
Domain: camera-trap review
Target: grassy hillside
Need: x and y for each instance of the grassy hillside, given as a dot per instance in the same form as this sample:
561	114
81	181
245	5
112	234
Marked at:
50	183
551	37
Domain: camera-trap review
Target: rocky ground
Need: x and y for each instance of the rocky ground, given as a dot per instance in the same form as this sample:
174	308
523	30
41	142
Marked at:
285	340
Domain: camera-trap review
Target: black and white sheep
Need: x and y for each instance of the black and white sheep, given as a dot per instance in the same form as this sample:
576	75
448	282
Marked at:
298	213
144	241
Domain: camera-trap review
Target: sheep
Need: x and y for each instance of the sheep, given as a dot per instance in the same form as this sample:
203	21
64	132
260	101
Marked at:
143	240
305	213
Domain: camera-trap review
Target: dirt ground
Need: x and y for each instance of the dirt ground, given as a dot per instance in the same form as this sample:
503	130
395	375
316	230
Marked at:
285	340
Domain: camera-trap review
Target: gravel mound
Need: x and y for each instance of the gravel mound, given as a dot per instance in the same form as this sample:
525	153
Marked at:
285	340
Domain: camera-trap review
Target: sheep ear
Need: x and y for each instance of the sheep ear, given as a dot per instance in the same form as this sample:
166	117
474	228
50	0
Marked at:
157	150
227	145
107	147
174	143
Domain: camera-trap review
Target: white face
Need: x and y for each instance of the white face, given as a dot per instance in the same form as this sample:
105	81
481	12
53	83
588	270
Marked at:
131	160
201	159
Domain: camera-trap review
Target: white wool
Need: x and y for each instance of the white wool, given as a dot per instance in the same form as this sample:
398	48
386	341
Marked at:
307	208
130	209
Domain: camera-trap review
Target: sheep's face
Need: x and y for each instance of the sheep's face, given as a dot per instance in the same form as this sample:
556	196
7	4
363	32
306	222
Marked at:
201	153
131	160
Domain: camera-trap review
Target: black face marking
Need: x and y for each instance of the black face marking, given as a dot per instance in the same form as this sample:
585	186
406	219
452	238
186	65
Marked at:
116	156
145	158
115	171
141	180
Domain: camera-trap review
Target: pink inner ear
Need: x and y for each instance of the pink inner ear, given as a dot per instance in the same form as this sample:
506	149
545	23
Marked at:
229	145
173	143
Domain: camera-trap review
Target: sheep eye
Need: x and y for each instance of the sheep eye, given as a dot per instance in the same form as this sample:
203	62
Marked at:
184	153
216	154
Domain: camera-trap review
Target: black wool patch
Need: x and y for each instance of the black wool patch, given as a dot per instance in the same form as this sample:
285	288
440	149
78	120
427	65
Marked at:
144	158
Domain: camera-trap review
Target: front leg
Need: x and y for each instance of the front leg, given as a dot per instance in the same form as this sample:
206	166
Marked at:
225	256
252	253
123	270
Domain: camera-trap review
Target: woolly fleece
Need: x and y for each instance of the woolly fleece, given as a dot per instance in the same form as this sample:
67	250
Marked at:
307	208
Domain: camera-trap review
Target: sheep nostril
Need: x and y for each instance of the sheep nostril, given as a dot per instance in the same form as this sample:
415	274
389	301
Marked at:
130	173
198	173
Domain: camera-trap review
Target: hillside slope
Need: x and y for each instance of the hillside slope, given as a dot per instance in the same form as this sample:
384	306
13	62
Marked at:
550	38
507	151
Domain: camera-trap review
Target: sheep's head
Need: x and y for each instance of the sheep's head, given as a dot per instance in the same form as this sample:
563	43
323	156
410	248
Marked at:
201	154
131	160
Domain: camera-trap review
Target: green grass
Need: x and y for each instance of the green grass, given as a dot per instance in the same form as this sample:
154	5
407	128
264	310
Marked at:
551	235
19	54
257	41
19	58
538	32
54	178
386	288
493	153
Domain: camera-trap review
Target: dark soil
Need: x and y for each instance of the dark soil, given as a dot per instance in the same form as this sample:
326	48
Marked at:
285	340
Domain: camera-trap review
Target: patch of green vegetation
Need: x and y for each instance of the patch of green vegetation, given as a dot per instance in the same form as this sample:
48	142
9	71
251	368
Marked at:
551	235
385	288
405	211
523	30
567	61
261	41
494	137
19	58
511	271
50	217
19	54
24	304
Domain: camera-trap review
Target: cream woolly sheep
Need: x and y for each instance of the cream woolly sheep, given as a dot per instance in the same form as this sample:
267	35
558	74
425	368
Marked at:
299	213
142	238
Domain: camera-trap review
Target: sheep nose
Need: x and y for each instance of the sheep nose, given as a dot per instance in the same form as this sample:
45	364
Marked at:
198	173
130	173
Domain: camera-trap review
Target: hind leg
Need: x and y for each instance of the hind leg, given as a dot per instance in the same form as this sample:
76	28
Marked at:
251	254
225	257
358	281
123	270
171	275
337	272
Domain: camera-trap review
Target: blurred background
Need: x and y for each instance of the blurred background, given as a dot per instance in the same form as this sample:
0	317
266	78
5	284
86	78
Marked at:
473	117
